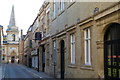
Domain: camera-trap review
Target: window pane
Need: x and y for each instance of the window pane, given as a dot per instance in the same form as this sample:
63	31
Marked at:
55	52
87	53
54	9
87	46
72	38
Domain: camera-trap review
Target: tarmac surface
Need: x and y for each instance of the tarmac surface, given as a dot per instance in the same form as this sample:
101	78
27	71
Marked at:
13	71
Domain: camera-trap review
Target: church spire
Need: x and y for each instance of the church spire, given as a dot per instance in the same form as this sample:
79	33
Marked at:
12	18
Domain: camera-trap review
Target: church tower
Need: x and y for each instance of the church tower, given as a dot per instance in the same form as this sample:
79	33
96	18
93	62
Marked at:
12	40
12	31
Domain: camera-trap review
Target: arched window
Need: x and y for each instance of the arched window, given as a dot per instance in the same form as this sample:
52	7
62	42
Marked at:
13	37
112	51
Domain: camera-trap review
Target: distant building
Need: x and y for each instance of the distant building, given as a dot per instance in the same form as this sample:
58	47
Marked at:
11	41
21	47
1	41
27	59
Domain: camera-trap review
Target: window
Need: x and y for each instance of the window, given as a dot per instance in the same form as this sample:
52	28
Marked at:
72	0
62	4
13	48
48	18
55	51
87	46
30	44
13	37
54	8
72	48
3	49
43	27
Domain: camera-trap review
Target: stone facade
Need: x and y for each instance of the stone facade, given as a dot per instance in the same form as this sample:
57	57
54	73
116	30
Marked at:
34	53
1	43
66	32
11	41
27	47
21	47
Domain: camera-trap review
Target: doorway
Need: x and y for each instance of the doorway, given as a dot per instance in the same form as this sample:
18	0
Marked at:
62	61
43	58
112	51
12	59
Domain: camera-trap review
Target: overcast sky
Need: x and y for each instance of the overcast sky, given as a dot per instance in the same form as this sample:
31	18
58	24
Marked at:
25	12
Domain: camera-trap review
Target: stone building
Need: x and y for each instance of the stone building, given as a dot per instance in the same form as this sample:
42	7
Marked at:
11	42
44	28
1	42
34	50
28	48
79	39
21	48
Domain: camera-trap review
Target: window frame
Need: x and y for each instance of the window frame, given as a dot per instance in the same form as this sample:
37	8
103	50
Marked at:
13	36
72	49
54	52
54	9
87	46
62	6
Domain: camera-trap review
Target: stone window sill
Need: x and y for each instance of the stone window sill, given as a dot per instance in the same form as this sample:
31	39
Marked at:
61	12
70	4
54	19
87	67
72	66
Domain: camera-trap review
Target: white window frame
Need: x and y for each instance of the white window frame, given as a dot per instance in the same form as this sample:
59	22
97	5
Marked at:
54	9
48	17
72	48
71	0
62	5
87	40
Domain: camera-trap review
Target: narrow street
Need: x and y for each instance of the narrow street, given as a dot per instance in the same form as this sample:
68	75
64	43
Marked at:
60	39
16	71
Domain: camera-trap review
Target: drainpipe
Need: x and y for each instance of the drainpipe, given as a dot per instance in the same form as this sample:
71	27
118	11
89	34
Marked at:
38	58
54	69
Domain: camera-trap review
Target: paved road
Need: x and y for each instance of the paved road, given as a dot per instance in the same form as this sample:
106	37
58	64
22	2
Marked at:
0	72
16	71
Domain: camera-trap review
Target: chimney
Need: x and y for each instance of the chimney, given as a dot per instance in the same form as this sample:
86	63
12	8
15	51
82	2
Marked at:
21	33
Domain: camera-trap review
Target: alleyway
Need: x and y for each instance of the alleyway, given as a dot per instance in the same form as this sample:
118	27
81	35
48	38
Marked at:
19	71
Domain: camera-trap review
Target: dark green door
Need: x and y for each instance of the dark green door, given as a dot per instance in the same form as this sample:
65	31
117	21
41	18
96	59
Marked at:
112	52
62	45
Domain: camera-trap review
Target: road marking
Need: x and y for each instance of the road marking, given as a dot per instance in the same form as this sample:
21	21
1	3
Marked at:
34	73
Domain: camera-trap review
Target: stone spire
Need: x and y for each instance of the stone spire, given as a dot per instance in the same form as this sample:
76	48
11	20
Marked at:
21	38
12	18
